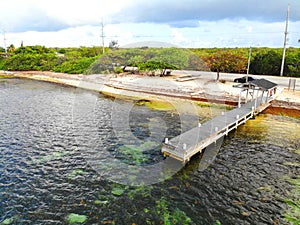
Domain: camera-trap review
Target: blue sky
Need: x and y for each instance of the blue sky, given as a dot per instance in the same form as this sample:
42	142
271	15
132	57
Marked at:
189	23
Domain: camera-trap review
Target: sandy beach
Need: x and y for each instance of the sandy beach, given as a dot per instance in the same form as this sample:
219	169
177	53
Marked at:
199	88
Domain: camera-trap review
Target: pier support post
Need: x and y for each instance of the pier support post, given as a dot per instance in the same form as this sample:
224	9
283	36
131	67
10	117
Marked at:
239	104
247	95
166	140
267	99
262	97
255	104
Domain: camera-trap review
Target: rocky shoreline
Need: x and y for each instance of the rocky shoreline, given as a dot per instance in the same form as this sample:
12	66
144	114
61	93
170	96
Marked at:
158	88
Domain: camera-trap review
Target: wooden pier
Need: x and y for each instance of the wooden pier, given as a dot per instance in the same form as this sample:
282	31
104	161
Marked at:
187	144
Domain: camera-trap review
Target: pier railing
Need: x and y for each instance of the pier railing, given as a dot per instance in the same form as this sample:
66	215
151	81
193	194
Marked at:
187	144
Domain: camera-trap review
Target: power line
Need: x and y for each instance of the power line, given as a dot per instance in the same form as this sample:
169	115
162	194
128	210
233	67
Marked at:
192	35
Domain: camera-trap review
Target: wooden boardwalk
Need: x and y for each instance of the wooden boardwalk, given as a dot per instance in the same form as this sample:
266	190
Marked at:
184	146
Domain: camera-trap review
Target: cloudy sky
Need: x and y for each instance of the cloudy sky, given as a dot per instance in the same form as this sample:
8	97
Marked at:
184	23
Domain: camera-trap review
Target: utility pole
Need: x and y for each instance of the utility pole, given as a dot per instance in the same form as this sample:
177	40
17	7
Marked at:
285	40
249	61
102	36
4	41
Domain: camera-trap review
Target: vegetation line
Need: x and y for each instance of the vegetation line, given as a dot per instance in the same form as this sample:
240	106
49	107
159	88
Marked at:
85	60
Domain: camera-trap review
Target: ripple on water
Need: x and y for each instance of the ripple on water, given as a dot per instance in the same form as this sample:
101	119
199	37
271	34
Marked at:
45	175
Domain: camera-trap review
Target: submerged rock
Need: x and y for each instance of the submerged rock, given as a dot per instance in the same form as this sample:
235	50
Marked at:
76	218
117	191
7	221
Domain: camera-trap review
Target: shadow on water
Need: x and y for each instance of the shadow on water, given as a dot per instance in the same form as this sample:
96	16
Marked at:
45	177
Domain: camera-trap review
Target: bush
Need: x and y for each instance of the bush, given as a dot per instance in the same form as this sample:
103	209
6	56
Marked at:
25	62
79	66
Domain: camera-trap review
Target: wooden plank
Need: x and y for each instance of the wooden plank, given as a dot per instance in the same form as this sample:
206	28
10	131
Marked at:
185	145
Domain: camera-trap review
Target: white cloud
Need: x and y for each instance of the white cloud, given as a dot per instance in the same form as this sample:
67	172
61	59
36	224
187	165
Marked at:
178	37
14	12
77	23
81	12
71	37
208	34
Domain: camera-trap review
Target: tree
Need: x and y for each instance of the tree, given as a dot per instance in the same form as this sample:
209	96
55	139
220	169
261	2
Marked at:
164	59
11	48
149	59
196	63
172	56
226	61
113	44
153	66
293	64
266	63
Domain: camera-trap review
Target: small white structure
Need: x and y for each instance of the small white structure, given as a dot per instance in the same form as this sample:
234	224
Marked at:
257	87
